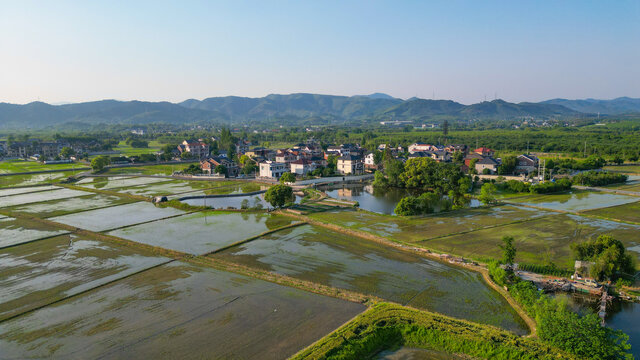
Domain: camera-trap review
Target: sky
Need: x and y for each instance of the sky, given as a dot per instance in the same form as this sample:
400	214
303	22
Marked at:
73	51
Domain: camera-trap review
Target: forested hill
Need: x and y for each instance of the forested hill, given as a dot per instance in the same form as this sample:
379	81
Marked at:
621	105
300	109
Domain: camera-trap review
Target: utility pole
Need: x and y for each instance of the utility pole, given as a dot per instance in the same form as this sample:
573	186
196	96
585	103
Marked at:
585	149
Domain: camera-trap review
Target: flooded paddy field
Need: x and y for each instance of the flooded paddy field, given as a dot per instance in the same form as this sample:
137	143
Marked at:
70	205
320	255
35	179
17	231
189	187
33	197
628	212
170	312
24	190
538	241
166	169
107	183
575	200
419	228
116	216
202	232
38	273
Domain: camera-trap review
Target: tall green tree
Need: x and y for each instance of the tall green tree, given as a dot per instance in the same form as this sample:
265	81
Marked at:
508	250
279	195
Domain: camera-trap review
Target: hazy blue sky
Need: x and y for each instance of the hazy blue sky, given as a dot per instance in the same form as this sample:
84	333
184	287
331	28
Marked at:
462	50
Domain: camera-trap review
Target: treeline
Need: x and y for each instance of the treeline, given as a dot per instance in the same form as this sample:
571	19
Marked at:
516	186
598	178
558	326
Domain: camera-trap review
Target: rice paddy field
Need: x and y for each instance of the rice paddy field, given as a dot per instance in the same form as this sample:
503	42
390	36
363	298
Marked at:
628	212
114	182
538	241
323	256
14	166
419	228
41	272
24	190
192	187
628	169
575	200
116	216
128	150
35	179
18	231
69	205
33	197
202	232
177	311
165	169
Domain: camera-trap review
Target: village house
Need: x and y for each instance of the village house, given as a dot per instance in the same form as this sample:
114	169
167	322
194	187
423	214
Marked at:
242	146
439	155
285	156
272	169
484	151
369	161
197	148
350	164
417	147
470	157
526	164
489	163
302	166
209	165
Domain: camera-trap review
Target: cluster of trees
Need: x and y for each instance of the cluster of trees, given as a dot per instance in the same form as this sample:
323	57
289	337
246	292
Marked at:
515	186
192	169
590	163
598	178
608	255
99	162
427	203
557	325
563	184
136	143
421	173
287	177
279	195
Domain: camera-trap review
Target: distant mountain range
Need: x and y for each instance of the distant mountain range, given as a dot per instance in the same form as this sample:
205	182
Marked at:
298	108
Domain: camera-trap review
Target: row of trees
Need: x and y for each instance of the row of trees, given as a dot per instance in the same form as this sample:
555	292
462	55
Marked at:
598	178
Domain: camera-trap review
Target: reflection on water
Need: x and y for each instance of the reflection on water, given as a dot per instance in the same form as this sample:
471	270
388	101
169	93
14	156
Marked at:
233	202
621	315
381	201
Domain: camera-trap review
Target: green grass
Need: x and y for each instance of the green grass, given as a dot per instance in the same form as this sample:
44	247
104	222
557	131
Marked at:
407	229
16	166
539	241
629	169
627	212
388	326
166	169
127	150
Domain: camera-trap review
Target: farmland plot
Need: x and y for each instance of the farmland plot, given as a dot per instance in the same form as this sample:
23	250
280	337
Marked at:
316	254
17	231
170	312
38	273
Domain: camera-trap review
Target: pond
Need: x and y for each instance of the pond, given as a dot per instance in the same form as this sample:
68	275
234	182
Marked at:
381	201
576	200
621	315
170	311
320	255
